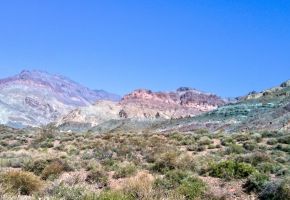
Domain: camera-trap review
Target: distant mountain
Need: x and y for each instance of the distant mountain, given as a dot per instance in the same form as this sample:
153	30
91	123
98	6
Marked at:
143	105
183	102
265	110
34	98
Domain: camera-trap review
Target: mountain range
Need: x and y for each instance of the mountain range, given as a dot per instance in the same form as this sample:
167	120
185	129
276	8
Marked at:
36	98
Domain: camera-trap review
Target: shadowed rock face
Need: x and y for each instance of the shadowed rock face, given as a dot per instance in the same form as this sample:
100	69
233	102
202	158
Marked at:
34	98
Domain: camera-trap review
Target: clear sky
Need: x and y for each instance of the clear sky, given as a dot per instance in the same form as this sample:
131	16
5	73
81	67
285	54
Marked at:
228	47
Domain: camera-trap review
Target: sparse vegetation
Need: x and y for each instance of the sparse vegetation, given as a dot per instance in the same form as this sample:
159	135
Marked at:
145	166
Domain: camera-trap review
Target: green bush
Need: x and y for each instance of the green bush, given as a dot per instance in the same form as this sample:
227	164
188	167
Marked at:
268	167
241	137
231	169
272	141
204	141
250	146
21	182
227	141
35	166
114	195
68	192
171	180
235	148
284	139
256	182
257	137
192	188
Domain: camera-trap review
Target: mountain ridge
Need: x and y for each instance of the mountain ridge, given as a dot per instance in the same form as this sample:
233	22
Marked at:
34	98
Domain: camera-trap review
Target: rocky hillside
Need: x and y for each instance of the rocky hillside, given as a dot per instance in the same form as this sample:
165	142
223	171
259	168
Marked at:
143	105
265	110
33	98
181	103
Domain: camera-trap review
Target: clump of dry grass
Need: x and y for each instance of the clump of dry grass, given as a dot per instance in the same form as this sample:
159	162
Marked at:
20	182
140	186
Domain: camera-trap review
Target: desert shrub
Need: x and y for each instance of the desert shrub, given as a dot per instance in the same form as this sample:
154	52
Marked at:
283	147
113	195
257	137
250	146
284	139
35	166
211	146
55	168
185	162
241	137
46	144
235	148
231	169
256	182
109	164
268	167
204	141
281	160
98	176
192	188
255	158
226	141
176	136
171	180
43	139
68	192
201	148
125	170
140	186
21	182
268	134
272	141
192	147
278	190
166	161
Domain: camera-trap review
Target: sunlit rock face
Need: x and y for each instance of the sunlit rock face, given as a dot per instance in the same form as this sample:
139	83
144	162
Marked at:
34	98
183	102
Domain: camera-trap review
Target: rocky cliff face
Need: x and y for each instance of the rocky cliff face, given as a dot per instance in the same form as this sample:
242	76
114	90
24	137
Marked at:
34	98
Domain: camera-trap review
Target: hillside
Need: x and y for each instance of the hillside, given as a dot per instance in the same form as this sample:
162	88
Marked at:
141	106
265	110
34	98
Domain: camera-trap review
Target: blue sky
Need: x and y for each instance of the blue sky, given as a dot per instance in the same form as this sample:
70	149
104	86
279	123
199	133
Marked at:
228	47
